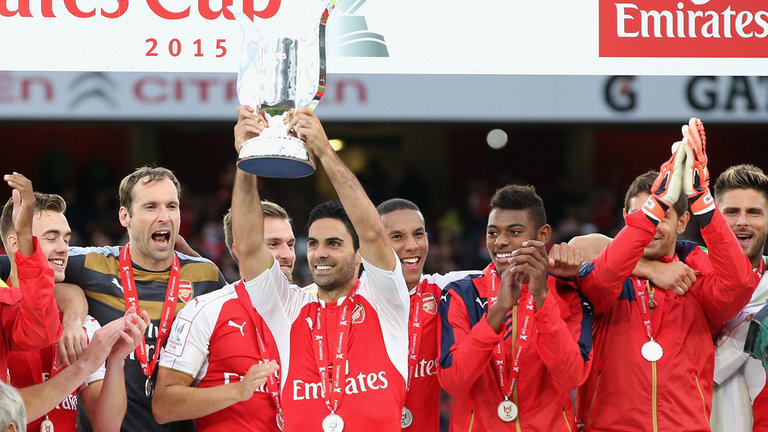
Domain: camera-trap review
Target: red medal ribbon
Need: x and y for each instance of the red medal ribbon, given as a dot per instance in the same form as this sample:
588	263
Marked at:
414	334
169	306
272	383
760	270
332	389
521	342
645	313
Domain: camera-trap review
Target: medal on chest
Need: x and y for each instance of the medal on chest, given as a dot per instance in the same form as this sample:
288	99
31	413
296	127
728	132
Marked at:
46	425
406	419
507	411
651	350
333	423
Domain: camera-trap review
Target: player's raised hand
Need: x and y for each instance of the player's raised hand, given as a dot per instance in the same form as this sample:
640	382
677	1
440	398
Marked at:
668	184
23	209
249	125
309	128
696	179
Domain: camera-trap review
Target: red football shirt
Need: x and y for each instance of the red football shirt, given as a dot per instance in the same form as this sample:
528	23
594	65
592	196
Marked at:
376	360
423	398
213	340
35	367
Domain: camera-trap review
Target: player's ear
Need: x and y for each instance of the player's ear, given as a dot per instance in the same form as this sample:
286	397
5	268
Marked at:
544	233
124	216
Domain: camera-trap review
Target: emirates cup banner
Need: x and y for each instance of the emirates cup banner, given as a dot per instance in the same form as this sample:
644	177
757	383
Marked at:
604	37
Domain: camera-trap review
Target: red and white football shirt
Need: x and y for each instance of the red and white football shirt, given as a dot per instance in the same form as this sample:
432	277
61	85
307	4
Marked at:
213	340
35	367
376	365
423	398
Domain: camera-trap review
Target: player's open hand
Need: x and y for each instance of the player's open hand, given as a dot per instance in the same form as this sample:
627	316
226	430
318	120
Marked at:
254	378
23	209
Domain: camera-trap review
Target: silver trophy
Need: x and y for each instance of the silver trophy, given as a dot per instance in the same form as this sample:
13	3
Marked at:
282	67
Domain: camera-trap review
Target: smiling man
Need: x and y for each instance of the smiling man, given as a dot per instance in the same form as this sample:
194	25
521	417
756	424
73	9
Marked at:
510	366
49	390
145	273
407	234
740	400
343	354
653	361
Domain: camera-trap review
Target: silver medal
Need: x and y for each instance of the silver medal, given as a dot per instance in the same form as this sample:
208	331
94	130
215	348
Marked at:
507	411
333	423
280	420
149	387
46	425
651	351
407	418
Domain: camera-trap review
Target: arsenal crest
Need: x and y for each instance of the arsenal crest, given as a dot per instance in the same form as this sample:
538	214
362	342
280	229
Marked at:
185	290
358	315
429	303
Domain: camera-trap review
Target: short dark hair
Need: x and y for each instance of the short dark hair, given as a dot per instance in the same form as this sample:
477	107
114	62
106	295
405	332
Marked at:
268	209
520	197
153	174
643	184
743	176
43	202
334	210
395	204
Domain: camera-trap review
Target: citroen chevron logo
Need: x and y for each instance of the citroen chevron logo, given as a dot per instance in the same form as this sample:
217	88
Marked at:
92	86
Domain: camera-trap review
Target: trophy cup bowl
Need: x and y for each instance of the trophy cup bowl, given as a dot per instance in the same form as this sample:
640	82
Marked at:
280	72
275	153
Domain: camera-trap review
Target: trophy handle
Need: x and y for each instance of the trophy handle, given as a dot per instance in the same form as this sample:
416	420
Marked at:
321	42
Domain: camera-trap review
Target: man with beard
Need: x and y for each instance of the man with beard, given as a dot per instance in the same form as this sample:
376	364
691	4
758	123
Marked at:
740	400
213	369
653	342
343	354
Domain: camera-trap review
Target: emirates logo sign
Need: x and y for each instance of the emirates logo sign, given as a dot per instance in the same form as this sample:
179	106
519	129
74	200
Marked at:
684	28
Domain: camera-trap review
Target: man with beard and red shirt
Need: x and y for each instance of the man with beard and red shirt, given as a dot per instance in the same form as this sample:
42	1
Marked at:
343	354
509	366
653	361
213	368
407	233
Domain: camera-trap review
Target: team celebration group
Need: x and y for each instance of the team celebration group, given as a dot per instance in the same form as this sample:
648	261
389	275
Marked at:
641	332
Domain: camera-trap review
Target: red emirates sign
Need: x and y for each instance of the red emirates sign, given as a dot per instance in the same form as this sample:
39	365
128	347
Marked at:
685	28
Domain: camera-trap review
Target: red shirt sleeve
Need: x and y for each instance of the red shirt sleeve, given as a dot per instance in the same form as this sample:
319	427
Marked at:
601	279
564	324
35	324
726	286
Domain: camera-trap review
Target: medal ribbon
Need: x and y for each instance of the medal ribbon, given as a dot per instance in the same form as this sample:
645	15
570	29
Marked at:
414	334
645	313
332	389
272	383
521	342
760	270
169	306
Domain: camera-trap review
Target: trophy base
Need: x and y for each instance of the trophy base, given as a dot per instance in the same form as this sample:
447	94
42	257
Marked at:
276	157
